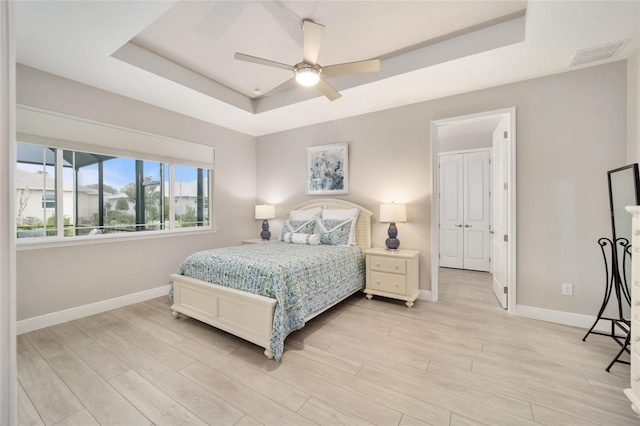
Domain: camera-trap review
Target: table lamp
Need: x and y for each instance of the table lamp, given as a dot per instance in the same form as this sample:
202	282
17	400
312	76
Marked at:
265	212
393	213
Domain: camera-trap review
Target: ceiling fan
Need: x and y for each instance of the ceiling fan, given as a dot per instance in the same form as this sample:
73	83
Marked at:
308	72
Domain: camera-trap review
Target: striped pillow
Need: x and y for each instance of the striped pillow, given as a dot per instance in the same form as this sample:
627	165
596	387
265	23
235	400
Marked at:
297	238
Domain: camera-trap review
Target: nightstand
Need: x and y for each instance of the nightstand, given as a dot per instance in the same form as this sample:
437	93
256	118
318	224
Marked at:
254	241
392	274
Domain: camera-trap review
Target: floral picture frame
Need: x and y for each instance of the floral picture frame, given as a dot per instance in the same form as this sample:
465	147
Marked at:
328	169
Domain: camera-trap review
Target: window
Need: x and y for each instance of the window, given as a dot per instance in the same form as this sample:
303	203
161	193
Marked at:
48	201
191	197
35	191
102	194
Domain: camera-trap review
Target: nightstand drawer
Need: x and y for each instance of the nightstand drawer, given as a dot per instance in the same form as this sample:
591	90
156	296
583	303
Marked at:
384	264
391	283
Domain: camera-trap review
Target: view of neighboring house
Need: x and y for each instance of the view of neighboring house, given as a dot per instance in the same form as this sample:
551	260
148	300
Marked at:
35	198
36	203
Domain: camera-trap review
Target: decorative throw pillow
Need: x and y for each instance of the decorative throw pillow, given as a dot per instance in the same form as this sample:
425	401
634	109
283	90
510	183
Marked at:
297	238
343	214
334	232
297	226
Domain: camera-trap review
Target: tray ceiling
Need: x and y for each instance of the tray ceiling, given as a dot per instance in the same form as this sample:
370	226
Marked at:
179	55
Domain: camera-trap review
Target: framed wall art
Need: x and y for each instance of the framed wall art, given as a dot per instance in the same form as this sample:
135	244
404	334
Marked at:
328	169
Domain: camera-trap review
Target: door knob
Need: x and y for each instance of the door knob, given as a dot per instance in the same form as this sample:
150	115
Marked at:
467	226
458	226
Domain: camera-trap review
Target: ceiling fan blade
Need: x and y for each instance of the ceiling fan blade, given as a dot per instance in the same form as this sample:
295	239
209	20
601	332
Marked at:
289	84
371	65
261	61
312	41
328	91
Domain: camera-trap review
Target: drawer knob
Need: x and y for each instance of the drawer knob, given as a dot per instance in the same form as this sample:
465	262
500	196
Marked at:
378	282
636	339
636	232
636	378
396	266
396	285
636	302
377	263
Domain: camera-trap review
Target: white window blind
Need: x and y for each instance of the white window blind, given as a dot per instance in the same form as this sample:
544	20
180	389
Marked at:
60	131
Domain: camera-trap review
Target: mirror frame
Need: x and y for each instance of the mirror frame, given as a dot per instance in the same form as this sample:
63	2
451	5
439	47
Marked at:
636	184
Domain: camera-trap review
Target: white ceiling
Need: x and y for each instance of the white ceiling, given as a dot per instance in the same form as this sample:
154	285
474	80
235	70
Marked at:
481	127
183	51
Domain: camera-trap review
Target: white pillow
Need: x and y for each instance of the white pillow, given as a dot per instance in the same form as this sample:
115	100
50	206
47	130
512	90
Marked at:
343	214
340	214
307	214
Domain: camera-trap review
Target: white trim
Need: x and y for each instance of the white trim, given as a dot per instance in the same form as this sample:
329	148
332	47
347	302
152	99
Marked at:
560	317
511	274
435	211
54	242
8	382
47	320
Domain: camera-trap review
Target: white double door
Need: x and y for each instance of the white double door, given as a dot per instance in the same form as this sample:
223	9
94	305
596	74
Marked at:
465	208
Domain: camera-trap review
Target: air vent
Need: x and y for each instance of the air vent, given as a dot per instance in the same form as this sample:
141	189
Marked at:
597	53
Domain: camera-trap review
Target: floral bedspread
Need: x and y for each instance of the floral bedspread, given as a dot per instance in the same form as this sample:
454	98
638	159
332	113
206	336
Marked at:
302	278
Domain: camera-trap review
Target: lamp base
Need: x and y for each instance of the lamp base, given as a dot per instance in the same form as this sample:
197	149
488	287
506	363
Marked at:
392	242
265	234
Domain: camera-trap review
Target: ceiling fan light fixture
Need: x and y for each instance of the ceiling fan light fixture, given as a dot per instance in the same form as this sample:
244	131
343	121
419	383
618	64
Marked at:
307	76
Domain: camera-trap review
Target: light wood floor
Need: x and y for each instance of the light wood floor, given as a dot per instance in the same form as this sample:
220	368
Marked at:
461	361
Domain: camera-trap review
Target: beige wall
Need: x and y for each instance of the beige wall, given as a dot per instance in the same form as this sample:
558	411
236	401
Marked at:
571	129
53	279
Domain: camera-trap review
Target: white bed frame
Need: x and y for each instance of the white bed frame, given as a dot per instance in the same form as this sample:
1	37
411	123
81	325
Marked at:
247	315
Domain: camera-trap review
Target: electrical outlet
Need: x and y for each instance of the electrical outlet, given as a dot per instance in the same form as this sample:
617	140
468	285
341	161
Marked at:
567	289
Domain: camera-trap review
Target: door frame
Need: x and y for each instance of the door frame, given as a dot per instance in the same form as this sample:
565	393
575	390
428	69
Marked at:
8	380
510	115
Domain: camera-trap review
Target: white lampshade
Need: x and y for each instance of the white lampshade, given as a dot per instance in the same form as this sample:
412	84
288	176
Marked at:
393	212
265	211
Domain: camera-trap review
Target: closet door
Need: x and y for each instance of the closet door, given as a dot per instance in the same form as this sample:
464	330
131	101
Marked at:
465	210
477	247
451	211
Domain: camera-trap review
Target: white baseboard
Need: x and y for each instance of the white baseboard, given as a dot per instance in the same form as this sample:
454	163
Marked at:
47	320
560	317
557	317
425	295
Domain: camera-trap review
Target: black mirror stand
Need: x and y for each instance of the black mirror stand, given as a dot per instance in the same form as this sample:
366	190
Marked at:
616	282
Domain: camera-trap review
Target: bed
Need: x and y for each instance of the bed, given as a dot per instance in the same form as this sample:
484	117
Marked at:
231	304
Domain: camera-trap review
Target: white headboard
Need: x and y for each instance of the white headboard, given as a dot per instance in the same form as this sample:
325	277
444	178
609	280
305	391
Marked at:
363	224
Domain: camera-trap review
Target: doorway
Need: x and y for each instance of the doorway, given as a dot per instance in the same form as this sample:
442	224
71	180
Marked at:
450	135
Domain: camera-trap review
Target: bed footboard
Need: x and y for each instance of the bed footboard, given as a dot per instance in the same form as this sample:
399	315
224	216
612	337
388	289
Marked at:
246	315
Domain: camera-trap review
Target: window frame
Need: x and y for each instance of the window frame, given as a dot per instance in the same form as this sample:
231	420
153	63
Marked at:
170	229
205	152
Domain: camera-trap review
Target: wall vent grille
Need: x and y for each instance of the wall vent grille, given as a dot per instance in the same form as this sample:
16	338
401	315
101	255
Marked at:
597	53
